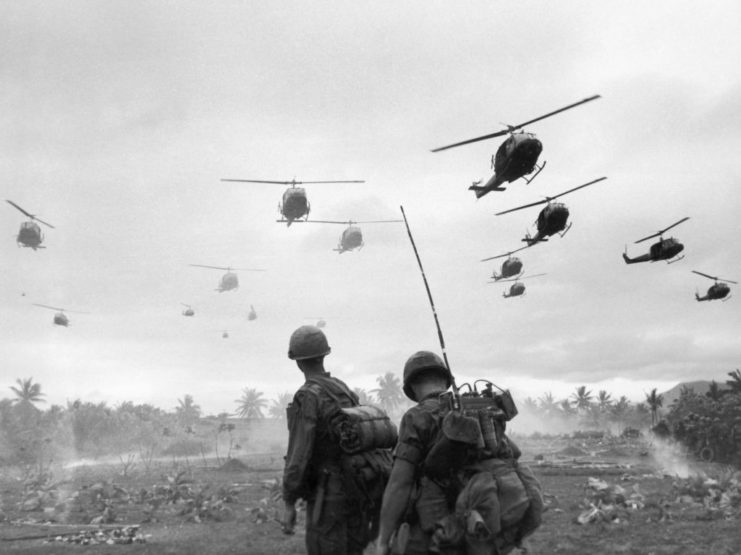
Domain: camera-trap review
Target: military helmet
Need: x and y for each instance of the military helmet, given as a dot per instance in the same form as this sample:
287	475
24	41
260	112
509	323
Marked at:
308	342
419	362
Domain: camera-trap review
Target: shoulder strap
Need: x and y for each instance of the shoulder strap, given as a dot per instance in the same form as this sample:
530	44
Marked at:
333	389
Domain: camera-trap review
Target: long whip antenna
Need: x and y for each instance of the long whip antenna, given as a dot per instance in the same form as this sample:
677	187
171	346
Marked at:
432	303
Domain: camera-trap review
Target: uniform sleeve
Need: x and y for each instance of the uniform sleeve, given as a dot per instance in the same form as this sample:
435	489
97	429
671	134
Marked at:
414	441
302	431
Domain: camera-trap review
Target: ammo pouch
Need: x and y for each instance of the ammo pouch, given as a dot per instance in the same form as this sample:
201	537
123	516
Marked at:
363	428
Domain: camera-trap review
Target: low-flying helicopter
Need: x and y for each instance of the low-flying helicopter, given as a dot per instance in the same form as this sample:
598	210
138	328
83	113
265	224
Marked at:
352	236
252	314
719	290
294	204
552	218
516	157
517	288
29	235
665	249
60	318
188	310
510	267
229	281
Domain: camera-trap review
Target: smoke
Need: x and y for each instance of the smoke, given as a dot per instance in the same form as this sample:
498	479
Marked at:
671	458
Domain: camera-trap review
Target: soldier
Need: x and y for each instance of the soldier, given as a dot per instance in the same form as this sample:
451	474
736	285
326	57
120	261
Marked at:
336	524
425	377
445	472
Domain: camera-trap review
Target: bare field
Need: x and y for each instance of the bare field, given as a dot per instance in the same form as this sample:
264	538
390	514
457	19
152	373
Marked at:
627	494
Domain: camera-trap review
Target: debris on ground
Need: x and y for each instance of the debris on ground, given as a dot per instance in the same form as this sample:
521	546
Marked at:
123	535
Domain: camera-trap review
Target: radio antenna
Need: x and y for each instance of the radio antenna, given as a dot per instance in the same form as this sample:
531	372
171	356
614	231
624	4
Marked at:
432	303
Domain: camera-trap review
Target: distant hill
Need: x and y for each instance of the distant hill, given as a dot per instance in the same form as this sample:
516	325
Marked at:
700	387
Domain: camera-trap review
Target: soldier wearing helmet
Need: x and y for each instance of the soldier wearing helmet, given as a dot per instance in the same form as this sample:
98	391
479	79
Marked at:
426	376
335	524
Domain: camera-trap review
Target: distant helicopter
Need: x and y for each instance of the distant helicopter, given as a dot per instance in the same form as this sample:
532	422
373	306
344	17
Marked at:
29	235
225	334
719	290
552	219
516	157
352	236
229	280
510	267
665	249
294	205
517	288
252	315
188	310
320	321
60	318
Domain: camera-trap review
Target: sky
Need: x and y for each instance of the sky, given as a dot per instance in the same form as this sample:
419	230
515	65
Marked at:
118	121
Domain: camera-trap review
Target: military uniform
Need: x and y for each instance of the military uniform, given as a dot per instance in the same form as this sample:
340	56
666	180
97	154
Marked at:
336	523
433	499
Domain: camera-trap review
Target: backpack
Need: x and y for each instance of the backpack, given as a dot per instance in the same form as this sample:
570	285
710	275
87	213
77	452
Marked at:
366	435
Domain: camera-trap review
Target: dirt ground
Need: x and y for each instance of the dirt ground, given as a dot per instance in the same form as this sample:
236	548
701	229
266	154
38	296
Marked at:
627	494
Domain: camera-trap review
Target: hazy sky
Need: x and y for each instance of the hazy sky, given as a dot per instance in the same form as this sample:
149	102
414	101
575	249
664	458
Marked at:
118	120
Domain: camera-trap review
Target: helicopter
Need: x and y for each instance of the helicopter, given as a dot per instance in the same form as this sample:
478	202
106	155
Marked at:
517	288
510	267
294	205
229	280
717	290
352	236
252	315
188	310
60	318
29	235
552	219
516	157
665	249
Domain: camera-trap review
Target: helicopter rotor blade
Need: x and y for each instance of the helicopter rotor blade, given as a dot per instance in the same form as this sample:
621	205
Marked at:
660	233
378	221
289	182
574	105
28	214
229	268
713	277
549	199
49	307
505	254
511	128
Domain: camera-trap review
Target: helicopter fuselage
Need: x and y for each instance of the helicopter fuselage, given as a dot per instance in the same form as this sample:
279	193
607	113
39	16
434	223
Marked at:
29	235
351	238
716	291
515	290
189	312
295	205
551	220
228	282
510	267
515	158
60	319
665	249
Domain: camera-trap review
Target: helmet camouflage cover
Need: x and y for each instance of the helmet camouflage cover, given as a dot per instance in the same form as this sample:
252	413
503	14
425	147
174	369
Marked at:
308	342
420	362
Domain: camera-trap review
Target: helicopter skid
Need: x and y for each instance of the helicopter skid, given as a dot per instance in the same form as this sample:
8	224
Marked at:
675	260
540	169
565	231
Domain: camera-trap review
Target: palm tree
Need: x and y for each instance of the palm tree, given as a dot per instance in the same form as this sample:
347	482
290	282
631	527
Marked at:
714	391
604	400
278	408
548	404
187	411
531	405
251	403
566	408
389	392
620	408
582	398
364	397
654	401
27	392
735	382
